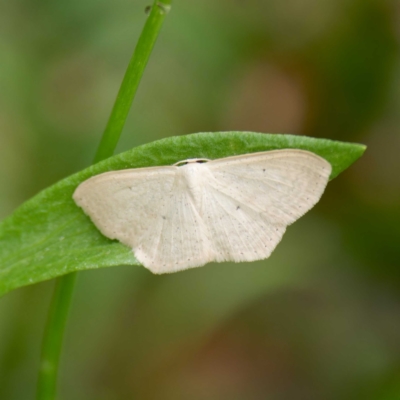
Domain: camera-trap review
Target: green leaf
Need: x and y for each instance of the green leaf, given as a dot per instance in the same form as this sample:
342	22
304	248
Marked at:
49	235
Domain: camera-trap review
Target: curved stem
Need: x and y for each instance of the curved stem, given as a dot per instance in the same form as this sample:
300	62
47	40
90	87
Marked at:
53	337
132	79
62	297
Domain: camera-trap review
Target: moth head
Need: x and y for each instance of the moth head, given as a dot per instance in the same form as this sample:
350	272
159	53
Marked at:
191	161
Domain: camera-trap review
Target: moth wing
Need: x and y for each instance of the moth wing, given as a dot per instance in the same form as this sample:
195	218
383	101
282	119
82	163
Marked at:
124	204
249	200
149	210
182	239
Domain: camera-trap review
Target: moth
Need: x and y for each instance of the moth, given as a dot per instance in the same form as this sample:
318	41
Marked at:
198	210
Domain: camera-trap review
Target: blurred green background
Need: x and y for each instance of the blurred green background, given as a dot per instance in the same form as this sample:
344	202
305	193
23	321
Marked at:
318	320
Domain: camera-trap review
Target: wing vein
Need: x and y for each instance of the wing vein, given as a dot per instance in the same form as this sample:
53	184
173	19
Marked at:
248	205
260	180
230	217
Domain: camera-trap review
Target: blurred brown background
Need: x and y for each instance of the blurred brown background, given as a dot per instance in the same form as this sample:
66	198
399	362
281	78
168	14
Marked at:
318	320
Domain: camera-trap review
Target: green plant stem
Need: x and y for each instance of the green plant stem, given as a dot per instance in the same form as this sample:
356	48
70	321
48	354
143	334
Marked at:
53	336
132	79
62	297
